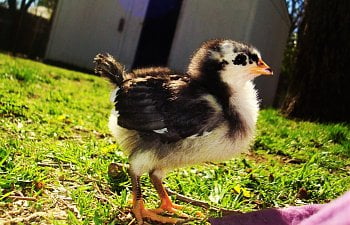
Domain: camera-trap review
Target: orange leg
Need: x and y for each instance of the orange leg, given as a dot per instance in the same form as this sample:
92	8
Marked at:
166	204
139	209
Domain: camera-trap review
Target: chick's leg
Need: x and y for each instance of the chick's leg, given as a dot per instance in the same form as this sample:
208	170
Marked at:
138	205
166	204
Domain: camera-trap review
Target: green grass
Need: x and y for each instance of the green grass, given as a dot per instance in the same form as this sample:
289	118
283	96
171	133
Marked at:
55	148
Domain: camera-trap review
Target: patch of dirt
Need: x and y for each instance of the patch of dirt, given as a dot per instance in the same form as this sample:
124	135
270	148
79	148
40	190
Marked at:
56	204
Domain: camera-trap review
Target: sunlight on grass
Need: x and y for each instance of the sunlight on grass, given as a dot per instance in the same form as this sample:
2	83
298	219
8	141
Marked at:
55	149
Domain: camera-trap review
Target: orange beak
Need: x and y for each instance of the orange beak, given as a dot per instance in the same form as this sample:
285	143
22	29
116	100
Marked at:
262	69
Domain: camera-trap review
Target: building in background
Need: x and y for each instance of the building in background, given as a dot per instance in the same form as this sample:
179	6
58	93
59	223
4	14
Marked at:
157	32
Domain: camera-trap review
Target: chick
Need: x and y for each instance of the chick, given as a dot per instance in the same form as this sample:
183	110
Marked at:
164	120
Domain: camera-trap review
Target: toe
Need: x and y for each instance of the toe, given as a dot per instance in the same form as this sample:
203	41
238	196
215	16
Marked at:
175	206
172	210
150	214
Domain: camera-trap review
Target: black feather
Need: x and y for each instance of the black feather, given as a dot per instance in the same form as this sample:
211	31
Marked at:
107	66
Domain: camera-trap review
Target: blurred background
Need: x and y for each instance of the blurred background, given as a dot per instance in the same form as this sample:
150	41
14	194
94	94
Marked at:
304	41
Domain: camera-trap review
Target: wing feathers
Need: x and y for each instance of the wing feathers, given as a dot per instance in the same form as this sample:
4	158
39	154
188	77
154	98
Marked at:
166	104
140	125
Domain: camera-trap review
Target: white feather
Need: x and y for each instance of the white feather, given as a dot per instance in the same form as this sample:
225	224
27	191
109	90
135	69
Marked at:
161	131
113	95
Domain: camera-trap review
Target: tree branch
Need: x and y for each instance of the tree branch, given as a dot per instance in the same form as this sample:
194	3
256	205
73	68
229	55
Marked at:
201	204
15	198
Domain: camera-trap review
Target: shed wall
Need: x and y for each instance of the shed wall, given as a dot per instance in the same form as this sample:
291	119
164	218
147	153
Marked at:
201	20
259	22
269	33
83	28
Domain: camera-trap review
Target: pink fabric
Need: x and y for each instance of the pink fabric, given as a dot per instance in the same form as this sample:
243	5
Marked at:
336	212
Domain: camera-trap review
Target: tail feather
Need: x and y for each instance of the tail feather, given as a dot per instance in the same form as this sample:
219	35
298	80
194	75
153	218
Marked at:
107	66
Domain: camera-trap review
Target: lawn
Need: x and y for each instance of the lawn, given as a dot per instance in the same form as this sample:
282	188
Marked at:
55	150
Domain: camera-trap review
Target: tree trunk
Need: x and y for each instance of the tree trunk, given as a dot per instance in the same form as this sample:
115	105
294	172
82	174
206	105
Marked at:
319	89
12	5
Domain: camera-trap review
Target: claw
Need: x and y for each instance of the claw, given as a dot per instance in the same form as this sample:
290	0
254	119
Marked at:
170	208
140	213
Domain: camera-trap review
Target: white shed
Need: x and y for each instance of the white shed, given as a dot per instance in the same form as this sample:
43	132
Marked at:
166	32
263	23
83	28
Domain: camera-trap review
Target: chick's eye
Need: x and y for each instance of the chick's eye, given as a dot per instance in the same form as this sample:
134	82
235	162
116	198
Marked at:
240	59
